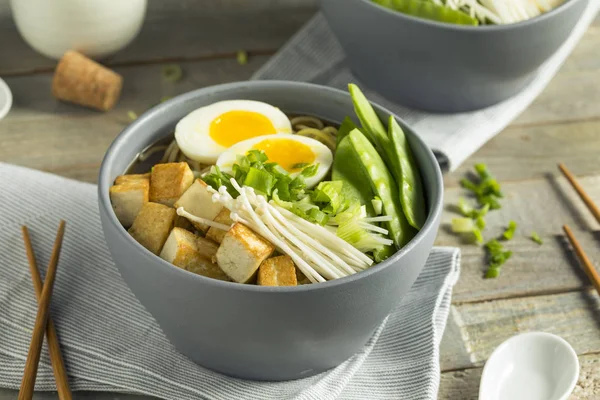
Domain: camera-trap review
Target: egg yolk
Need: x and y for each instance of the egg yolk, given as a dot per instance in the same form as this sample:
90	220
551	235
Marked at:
289	154
234	126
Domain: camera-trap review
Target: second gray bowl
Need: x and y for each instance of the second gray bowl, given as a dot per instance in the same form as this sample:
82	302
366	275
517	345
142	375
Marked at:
442	67
258	332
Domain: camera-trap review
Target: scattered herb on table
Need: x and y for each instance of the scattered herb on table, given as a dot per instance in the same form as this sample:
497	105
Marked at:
132	115
486	189
242	57
497	256
536	238
172	73
510	231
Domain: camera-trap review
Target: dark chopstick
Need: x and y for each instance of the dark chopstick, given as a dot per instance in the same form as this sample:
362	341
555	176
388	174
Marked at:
587	264
58	365
37	338
584	196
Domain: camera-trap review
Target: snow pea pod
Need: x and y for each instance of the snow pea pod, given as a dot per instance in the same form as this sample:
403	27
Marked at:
383	184
347	168
429	10
409	180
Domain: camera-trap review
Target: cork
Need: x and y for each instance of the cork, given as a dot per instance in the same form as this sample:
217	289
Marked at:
79	80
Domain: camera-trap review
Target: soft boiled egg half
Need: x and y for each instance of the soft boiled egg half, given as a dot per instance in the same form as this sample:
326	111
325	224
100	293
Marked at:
204	134
291	152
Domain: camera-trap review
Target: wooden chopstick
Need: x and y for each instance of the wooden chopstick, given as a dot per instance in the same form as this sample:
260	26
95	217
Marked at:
587	264
58	365
37	338
584	196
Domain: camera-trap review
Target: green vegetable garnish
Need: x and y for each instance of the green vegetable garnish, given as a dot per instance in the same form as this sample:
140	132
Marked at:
132	115
429	10
497	256
384	186
487	190
471	212
261	180
217	178
467	225
242	57
510	231
536	238
480	222
172	73
299	165
408	178
329	196
462	225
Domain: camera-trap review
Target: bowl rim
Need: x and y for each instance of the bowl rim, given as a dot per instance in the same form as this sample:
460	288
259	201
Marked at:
104	183
469	28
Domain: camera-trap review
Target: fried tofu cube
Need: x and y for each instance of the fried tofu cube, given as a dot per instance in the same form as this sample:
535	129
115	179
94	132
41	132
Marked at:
241	252
152	226
192	253
277	271
169	181
132	178
216	234
128	198
197	200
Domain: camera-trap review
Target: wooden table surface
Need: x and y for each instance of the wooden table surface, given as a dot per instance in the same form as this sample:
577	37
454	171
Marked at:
542	288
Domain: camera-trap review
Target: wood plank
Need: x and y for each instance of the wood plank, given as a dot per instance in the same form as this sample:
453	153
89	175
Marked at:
531	152
573	316
464	384
43	133
181	30
537	205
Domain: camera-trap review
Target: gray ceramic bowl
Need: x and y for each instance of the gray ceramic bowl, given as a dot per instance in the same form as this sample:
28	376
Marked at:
258	332
442	67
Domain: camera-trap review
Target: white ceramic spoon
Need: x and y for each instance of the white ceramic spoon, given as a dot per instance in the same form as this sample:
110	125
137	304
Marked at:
5	99
530	366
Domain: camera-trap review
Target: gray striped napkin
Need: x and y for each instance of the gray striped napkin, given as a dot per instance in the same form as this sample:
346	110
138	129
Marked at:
314	55
110	342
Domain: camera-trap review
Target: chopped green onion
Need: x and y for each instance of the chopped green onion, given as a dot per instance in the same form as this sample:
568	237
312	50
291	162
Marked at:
480	222
471	212
492	272
260	180
172	73
310	171
132	115
329	196
487	190
299	165
478	235
510	231
462	225
242	57
536	238
497	257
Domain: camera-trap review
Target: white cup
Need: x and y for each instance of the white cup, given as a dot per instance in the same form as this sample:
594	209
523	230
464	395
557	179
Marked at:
96	28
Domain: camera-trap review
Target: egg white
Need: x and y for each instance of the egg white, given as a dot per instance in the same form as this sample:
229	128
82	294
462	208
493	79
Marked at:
323	156
192	132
